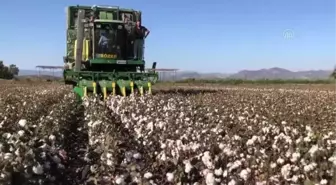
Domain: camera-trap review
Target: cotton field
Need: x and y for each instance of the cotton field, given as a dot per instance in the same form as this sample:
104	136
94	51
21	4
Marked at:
180	135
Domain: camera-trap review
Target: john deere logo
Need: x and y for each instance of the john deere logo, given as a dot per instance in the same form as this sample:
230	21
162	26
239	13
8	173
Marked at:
288	34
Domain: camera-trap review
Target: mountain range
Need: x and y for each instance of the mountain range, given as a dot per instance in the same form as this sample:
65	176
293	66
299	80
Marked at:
271	73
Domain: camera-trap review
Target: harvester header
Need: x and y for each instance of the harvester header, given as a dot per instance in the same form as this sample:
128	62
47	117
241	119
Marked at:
93	67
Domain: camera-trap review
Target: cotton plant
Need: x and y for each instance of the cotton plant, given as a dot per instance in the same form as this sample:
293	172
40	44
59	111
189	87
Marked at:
193	134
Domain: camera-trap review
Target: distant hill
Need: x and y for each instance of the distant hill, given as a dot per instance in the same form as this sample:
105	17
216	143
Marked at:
271	73
192	74
280	73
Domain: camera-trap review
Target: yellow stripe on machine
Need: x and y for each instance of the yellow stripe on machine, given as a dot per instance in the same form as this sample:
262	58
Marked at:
86	46
85	54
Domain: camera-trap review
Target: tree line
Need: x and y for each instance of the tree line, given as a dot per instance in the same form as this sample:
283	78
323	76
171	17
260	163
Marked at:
8	72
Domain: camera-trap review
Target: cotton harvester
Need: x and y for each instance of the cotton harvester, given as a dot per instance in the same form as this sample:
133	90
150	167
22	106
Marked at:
91	68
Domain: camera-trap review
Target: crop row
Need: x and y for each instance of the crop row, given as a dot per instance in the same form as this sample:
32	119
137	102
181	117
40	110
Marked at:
188	135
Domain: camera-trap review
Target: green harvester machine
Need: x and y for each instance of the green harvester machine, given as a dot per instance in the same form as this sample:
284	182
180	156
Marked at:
92	68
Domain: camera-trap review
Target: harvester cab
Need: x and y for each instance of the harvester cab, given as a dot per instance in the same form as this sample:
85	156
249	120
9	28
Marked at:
99	52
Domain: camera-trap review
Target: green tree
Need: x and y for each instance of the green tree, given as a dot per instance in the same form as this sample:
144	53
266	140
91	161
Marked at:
8	72
13	69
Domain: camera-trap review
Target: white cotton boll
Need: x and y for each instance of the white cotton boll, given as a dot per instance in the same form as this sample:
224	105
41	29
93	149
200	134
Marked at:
150	126
109	162
295	168
288	154
119	180
298	140
21	133
287	139
248	157
52	137
206	159
44	146
249	142
148	175
205	172
210	179
236	137
170	177
195	146
137	156
295	179
265	130
17	152
280	160
261	183
96	123
163	146
235	165
109	155
8	156
273	165
7	135
244	174
303	162
225	173
232	182
313	150
295	156
163	157
309	167
295	131
218	172
22	122
333	141
90	123
308	128
307	139
221	146
106	179
332	159
228	151
323	182
285	170
38	169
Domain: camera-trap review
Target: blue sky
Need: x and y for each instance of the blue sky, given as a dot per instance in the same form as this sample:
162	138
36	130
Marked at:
206	36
